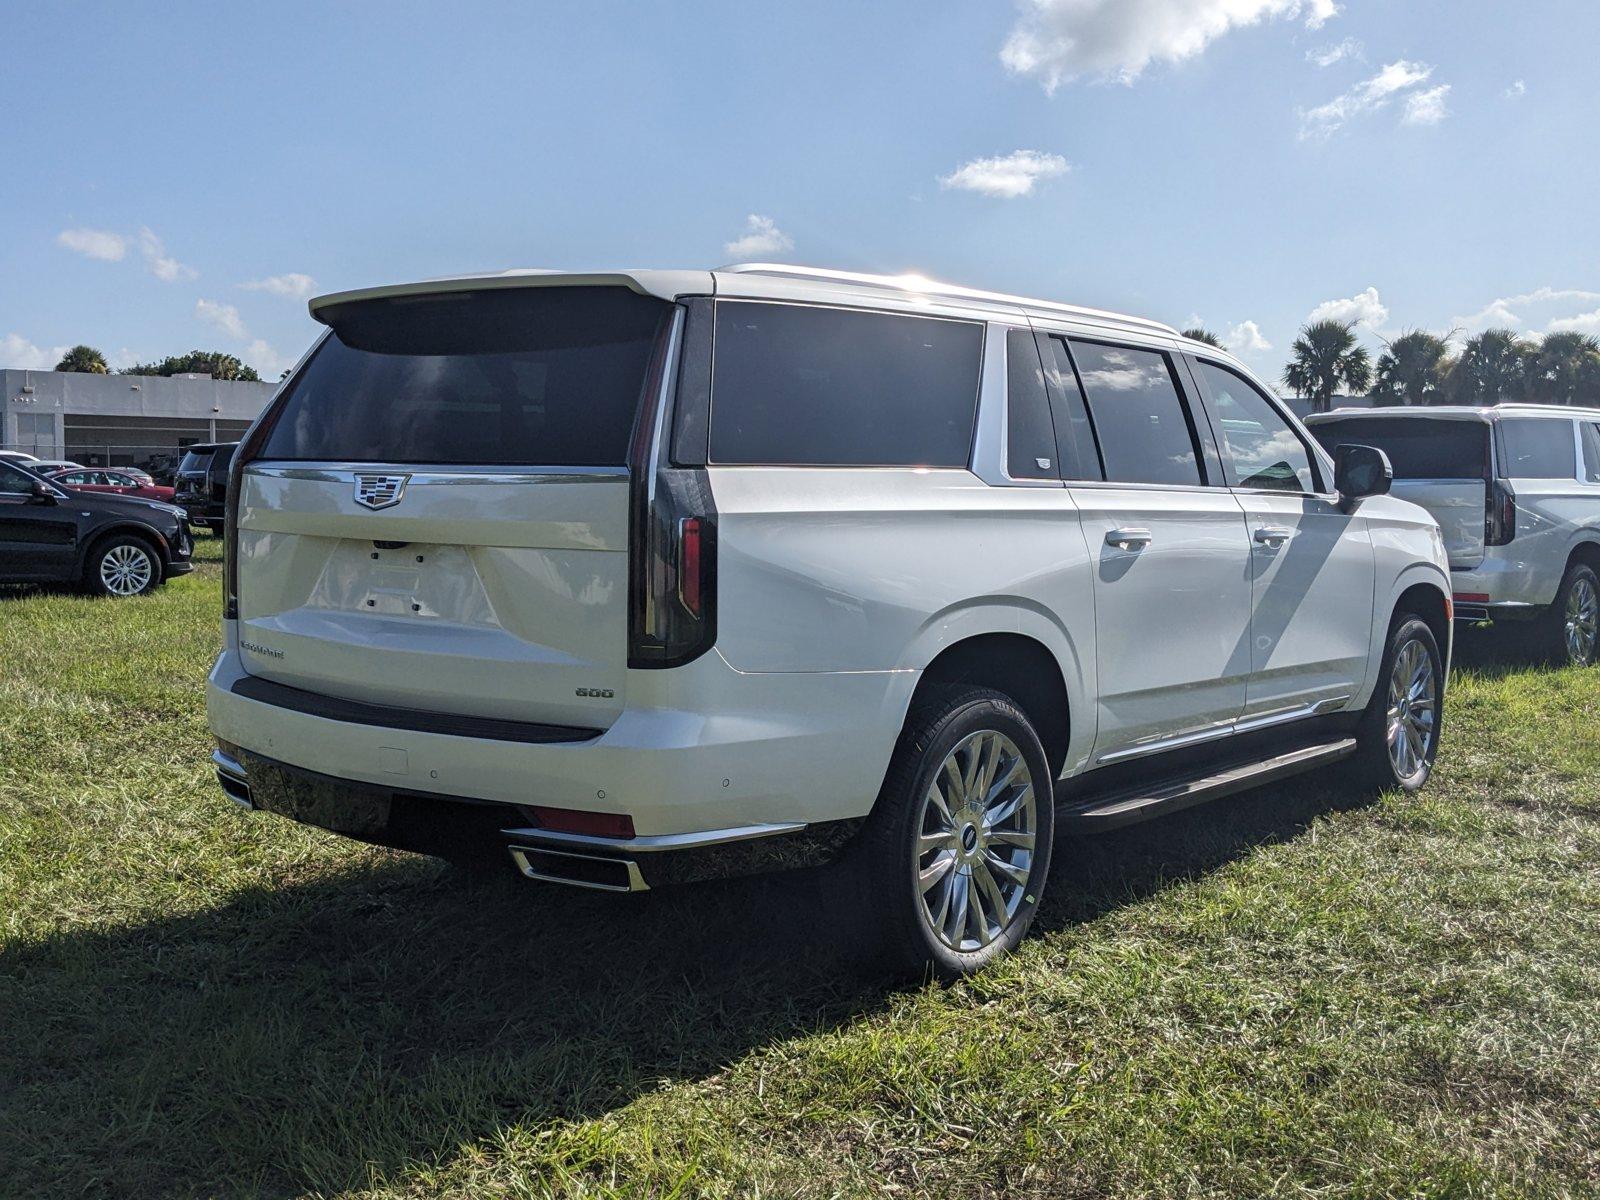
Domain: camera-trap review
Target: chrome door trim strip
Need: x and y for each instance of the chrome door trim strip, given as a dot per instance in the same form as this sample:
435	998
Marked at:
1227	729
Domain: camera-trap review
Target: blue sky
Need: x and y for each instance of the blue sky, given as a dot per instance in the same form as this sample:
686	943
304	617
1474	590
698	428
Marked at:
179	176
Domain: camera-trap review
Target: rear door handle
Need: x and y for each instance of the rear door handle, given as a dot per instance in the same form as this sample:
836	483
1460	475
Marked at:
1270	535
1128	538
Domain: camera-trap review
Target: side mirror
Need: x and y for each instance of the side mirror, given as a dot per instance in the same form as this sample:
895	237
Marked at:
1359	472
41	493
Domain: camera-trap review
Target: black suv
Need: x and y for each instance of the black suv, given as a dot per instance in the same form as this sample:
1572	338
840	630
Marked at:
114	545
202	483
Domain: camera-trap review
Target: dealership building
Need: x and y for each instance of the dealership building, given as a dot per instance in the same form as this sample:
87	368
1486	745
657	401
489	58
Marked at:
122	420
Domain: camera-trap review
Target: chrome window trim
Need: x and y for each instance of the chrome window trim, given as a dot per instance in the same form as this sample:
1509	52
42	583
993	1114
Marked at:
425	474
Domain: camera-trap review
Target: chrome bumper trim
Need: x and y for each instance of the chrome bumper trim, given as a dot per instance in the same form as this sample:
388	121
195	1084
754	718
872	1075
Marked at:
635	880
232	779
651	843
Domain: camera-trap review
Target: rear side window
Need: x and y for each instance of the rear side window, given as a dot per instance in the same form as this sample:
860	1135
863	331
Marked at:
1591	451
515	376
1538	450
796	385
1030	434
1138	414
1418	448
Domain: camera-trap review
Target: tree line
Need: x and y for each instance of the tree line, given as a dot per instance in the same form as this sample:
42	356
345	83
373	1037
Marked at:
1494	367
89	361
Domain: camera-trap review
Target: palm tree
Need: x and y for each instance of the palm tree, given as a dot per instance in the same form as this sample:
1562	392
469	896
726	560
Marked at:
1326	359
1203	335
1492	369
85	360
1566	369
1412	370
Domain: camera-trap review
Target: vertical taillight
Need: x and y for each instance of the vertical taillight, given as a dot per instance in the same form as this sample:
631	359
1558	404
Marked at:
672	532
1500	515
249	448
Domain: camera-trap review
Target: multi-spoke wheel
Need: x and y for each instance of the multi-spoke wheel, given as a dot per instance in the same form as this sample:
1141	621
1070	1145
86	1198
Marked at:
1575	618
1399	733
122	566
955	854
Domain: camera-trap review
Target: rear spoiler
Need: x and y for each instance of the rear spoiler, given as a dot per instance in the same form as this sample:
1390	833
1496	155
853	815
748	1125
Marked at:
664	285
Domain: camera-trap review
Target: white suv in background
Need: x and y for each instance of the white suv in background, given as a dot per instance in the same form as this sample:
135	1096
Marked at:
646	576
1516	490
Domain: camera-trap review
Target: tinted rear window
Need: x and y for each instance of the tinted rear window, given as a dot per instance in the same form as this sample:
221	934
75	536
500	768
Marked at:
524	376
799	385
194	462
1417	447
1538	450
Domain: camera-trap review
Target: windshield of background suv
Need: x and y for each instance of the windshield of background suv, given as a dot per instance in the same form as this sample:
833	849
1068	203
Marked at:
1418	448
523	376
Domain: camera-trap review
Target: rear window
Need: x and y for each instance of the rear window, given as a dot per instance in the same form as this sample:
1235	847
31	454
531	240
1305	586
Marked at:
523	376
195	462
1417	447
1538	450
798	385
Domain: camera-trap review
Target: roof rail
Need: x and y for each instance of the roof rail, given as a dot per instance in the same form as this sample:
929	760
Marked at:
932	287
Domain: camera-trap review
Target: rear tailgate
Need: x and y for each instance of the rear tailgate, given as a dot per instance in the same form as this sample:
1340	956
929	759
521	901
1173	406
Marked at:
495	594
437	516
1458	506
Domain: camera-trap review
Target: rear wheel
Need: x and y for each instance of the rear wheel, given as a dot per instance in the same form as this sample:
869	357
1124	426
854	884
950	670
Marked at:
122	566
1398	736
955	854
1572	629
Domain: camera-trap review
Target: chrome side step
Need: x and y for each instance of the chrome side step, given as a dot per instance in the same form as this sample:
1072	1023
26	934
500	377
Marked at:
1129	805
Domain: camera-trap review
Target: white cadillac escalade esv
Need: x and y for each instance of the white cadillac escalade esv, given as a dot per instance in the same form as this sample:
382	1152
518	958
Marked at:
645	576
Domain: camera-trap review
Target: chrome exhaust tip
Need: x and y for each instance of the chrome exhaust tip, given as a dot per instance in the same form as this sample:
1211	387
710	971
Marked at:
231	779
595	871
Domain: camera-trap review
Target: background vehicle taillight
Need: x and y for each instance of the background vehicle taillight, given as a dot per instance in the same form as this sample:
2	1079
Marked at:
1500	515
672	536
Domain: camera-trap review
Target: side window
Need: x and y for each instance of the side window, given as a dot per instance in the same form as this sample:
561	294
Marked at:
1080	459
1138	414
1259	448
1030	434
1536	449
1591	451
14	482
799	385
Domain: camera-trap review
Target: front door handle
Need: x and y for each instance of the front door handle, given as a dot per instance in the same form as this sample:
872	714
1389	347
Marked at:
1128	538
1270	535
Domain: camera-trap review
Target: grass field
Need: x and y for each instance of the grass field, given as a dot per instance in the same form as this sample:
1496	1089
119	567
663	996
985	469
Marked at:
1299	992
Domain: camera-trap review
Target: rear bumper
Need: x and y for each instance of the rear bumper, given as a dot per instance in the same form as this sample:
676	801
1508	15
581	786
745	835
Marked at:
1513	586
755	754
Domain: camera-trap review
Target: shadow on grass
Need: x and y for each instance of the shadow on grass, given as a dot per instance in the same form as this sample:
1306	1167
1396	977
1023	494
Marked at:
315	1035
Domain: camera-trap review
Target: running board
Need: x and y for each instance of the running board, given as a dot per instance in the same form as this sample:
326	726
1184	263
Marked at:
1129	805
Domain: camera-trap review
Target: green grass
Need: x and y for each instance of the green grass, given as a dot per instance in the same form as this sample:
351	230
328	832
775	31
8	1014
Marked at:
1300	992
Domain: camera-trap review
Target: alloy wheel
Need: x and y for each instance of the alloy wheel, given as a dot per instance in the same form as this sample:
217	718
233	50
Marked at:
1413	708
126	570
1582	621
975	844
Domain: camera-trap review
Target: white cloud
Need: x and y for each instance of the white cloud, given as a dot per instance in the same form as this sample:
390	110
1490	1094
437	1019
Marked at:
1427	108
164	268
1059	40
224	316
1326	56
1007	176
1507	311
1588	322
1246	338
269	364
1371	95
94	243
761	237
1517	90
1364	308
19	354
293	286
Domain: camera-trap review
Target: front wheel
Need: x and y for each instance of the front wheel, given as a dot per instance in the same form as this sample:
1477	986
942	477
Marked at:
122	566
1399	732
954	857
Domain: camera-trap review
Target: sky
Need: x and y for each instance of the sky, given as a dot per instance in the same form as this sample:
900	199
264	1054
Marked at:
185	176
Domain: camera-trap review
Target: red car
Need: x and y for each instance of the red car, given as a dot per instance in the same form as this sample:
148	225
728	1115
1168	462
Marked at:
86	479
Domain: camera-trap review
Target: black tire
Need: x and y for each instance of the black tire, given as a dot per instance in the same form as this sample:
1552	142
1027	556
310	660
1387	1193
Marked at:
1374	766
886	860
122	566
1577	604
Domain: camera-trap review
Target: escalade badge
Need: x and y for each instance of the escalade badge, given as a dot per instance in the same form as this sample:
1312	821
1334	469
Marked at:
380	491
